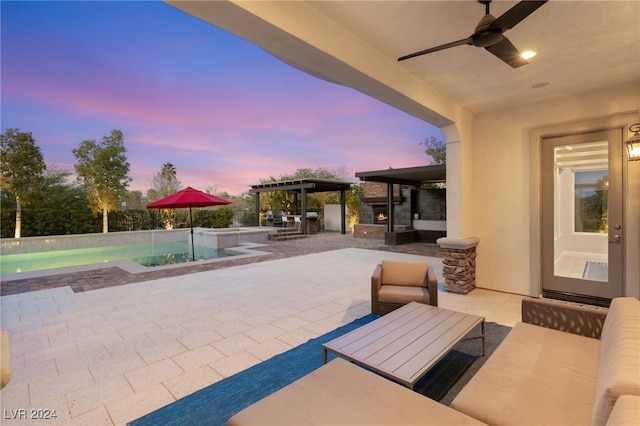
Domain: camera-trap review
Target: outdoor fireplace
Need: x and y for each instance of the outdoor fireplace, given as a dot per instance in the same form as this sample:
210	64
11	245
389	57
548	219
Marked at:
380	215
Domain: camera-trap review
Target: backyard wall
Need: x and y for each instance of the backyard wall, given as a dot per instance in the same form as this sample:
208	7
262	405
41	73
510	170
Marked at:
332	218
431	203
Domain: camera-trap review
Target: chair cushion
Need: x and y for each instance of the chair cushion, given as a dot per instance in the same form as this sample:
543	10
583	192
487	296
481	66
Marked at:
405	273
403	294
619	371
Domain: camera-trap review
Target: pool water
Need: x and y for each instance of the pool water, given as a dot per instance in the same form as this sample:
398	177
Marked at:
145	254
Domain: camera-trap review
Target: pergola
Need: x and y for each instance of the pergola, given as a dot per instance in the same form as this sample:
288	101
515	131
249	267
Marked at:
415	176
303	187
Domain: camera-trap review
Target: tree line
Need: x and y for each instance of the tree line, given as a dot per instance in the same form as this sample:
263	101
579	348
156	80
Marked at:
98	200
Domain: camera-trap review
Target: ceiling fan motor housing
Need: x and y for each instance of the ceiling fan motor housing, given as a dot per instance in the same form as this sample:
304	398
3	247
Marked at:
485	36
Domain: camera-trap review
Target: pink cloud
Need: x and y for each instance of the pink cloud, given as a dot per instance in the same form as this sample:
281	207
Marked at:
220	121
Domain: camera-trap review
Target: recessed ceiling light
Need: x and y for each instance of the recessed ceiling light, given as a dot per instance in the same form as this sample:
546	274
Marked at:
528	54
540	85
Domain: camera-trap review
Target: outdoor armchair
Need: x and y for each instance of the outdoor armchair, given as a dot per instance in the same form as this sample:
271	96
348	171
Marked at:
394	283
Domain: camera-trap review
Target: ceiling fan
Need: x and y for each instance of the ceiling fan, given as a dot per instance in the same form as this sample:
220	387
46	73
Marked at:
489	33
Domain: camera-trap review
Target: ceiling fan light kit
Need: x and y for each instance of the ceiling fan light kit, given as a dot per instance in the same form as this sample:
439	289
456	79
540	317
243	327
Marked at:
489	33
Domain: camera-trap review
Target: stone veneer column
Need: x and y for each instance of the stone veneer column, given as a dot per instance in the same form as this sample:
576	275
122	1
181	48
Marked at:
459	264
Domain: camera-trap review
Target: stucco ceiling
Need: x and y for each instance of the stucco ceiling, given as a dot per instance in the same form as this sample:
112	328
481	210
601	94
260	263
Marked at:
582	46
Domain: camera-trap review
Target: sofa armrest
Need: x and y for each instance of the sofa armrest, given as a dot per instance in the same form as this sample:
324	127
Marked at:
5	358
581	320
432	283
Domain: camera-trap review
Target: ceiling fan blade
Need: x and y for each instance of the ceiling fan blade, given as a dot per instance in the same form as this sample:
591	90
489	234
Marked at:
517	13
467	40
508	53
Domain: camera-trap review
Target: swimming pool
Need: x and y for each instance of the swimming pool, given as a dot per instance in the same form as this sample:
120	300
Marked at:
158	254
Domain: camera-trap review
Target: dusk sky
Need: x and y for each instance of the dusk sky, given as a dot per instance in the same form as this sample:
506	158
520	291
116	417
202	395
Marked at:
222	110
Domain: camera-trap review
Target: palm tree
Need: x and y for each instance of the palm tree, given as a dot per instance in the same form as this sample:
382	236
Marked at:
165	183
168	172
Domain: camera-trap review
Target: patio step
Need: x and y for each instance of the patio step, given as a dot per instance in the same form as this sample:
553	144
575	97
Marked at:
286	235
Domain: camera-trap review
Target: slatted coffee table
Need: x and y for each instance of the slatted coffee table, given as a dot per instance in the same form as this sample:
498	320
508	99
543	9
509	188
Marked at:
404	344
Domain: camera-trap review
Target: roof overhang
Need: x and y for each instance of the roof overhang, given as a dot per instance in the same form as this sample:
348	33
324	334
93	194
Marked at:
415	176
309	185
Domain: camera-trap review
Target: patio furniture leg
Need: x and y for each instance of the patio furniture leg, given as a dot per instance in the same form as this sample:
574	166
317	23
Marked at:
483	341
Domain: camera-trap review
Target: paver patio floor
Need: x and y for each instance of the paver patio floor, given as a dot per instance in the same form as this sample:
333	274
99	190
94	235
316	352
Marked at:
123	349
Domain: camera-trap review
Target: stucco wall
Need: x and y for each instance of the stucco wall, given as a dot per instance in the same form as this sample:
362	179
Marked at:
504	207
332	220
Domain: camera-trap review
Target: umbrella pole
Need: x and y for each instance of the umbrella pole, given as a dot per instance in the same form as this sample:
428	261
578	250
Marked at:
193	250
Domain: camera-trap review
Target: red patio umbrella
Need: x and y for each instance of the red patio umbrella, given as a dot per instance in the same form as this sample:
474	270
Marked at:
188	197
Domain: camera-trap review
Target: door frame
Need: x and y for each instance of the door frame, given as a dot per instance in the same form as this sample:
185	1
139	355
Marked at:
630	272
574	289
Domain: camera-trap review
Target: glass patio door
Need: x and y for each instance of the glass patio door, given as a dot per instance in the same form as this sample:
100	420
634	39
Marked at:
582	231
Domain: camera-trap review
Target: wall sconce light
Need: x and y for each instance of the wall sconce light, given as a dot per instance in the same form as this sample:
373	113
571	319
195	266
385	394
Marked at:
633	144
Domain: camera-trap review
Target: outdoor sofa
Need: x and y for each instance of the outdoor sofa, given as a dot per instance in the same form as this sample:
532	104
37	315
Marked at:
588	373
5	358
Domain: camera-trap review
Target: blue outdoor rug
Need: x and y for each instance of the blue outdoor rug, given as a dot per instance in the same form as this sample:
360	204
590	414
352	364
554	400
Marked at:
215	404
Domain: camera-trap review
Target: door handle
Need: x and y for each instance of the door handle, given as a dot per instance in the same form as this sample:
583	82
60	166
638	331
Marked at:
616	238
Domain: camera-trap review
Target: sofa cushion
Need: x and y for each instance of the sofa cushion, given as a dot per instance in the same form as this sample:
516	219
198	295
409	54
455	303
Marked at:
626	412
341	393
403	272
537	376
619	372
5	358
403	294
